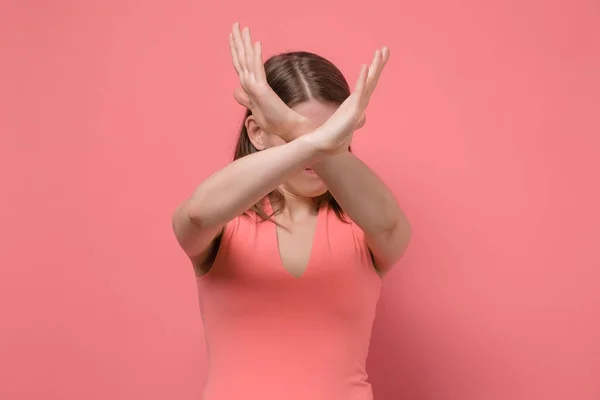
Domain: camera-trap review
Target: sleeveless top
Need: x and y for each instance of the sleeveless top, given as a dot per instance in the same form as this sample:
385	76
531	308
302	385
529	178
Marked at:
272	336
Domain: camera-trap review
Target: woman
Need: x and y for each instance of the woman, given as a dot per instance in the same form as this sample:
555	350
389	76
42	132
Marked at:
289	242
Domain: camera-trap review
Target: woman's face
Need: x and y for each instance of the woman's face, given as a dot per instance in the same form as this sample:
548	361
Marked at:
306	183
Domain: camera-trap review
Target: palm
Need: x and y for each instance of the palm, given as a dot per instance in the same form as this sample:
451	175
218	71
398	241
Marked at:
269	111
336	133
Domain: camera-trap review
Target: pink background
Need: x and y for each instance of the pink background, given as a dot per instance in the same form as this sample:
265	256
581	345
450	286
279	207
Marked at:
485	124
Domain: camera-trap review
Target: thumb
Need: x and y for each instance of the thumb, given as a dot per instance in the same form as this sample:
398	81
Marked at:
241	97
361	122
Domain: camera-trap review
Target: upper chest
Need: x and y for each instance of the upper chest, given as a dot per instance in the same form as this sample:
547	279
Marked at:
296	244
321	249
325	267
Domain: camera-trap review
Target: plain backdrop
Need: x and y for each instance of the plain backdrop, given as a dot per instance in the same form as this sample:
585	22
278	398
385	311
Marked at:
485	124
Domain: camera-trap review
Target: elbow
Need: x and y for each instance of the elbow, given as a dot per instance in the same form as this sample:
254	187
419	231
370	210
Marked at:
194	213
399	236
390	246
404	233
399	229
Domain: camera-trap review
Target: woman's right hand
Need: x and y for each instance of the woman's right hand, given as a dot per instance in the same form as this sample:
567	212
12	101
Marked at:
335	134
269	111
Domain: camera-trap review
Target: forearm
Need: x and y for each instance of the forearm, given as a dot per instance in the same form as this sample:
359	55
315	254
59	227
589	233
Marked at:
237	187
360	193
368	202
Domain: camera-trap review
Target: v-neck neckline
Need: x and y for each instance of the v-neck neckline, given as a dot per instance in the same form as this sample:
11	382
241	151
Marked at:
313	249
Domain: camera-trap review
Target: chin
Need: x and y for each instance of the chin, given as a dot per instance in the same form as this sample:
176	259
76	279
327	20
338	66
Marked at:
309	192
308	188
315	193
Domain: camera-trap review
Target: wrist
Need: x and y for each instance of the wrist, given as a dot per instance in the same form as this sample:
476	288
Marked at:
298	126
314	145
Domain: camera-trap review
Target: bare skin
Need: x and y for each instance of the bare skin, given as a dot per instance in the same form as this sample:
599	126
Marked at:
303	153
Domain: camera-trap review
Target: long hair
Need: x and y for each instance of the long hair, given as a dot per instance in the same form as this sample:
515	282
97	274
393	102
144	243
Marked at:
297	77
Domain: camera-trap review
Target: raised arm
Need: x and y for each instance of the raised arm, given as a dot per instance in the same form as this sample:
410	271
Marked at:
237	187
234	189
365	197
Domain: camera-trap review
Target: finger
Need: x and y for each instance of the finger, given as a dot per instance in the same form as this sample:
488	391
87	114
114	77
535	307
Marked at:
259	66
361	82
234	59
241	97
248	49
384	57
374	71
239	46
386	54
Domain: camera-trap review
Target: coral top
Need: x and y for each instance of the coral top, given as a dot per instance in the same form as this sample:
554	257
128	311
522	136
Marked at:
272	336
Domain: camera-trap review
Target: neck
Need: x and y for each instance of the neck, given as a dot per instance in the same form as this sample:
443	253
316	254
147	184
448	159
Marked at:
297	208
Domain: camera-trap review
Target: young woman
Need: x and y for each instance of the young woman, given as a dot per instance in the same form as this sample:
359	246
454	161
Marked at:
289	242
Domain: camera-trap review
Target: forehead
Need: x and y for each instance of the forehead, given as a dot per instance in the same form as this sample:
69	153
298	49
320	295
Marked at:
316	111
